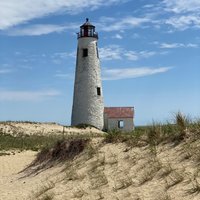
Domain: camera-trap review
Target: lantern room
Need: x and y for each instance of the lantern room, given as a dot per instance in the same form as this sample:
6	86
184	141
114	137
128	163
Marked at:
87	30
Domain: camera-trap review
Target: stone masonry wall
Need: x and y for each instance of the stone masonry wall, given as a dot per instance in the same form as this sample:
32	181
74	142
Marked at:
87	105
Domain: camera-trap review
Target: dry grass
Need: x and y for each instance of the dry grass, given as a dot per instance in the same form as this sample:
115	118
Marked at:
180	129
41	194
195	189
62	151
166	170
150	170
173	179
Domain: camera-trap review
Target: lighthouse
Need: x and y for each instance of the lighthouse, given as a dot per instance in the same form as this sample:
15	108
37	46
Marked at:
88	106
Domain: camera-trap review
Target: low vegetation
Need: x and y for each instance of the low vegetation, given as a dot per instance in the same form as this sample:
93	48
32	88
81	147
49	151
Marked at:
179	129
167	155
63	150
26	142
176	131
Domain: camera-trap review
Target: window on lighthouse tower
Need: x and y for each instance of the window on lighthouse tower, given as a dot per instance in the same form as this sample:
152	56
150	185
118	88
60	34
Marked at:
98	91
85	52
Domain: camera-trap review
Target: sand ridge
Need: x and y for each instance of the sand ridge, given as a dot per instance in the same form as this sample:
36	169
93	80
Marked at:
34	128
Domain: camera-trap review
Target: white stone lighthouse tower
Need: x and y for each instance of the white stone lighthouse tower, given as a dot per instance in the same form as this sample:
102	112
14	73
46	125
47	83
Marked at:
88	103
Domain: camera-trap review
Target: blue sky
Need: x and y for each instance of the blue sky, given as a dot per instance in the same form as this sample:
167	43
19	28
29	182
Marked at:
149	51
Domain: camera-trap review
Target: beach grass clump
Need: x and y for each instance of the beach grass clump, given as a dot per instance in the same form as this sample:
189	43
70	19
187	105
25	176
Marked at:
180	128
132	139
62	150
154	134
26	142
115	136
84	126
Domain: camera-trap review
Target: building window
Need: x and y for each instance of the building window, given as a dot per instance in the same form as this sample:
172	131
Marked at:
120	124
97	50
98	91
85	52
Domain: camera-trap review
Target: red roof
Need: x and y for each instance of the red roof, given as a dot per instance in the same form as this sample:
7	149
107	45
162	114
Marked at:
119	112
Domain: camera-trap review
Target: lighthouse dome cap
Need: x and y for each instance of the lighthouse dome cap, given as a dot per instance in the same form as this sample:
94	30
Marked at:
87	23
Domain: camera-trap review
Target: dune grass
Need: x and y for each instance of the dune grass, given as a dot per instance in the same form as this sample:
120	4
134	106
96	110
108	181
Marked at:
26	142
179	129
62	150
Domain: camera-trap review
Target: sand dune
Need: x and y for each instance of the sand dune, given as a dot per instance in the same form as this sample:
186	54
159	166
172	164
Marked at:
30	128
106	171
113	173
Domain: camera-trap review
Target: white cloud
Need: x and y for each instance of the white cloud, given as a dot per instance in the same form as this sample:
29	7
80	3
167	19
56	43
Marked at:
13	12
132	55
186	13
127	73
184	22
111	52
27	95
115	52
182	6
117	36
63	75
177	45
65	55
105	24
38	29
57	58
192	45
113	24
122	73
148	6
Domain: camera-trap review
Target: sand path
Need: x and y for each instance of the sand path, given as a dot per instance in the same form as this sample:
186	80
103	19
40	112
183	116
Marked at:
11	186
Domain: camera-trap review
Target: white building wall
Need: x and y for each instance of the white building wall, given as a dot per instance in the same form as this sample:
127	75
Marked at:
112	123
87	107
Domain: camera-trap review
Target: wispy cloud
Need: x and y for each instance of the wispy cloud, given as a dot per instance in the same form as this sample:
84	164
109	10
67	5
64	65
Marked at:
14	12
122	73
184	22
58	57
39	29
177	45
185	13
110	52
132	55
64	75
115	52
5	71
128	73
182	6
113	24
9	95
64	55
106	24
117	36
